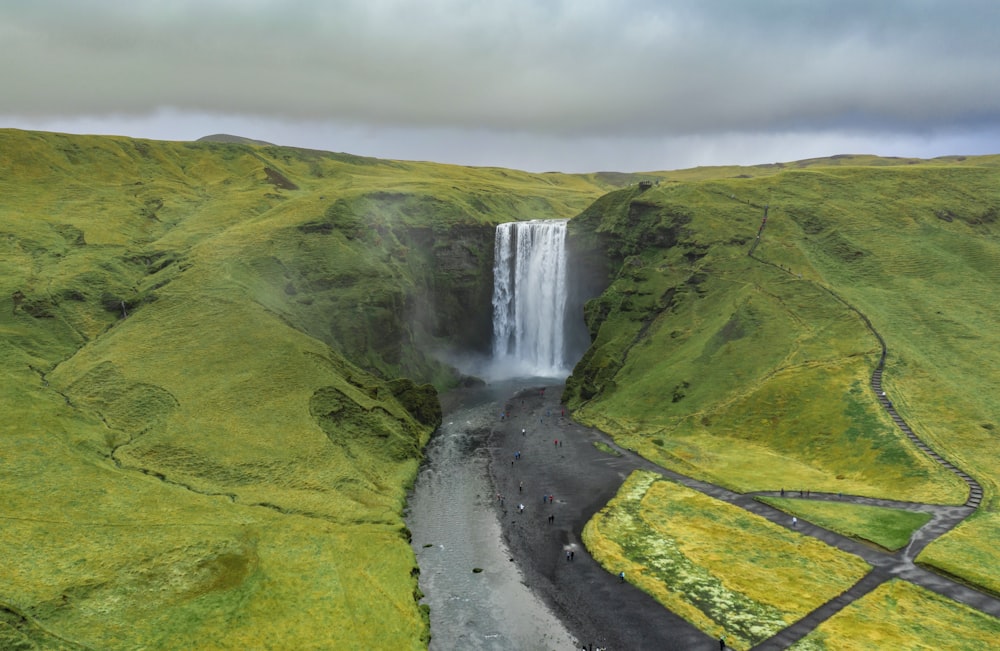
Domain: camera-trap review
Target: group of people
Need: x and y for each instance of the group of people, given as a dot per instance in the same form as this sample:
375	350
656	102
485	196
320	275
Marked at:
547	498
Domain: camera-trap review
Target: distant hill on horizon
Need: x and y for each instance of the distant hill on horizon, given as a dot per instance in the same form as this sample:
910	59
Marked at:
617	178
230	138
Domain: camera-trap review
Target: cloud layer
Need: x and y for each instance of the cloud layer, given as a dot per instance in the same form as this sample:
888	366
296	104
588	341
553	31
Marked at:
561	69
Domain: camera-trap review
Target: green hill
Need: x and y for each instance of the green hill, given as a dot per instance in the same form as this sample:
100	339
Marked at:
752	372
214	359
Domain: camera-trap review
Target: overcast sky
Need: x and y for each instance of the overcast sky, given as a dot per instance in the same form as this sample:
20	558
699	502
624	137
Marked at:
570	85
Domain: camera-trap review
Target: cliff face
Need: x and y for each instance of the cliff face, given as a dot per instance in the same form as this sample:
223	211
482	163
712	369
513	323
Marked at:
416	293
453	304
607	242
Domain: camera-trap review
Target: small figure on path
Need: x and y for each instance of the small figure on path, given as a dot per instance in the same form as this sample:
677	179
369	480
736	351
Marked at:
520	508
782	492
621	577
795	521
524	432
722	643
520	487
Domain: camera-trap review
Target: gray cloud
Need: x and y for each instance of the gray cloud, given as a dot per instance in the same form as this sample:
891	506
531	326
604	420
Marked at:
564	69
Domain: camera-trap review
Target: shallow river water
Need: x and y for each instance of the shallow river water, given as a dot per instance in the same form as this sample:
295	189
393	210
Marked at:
455	530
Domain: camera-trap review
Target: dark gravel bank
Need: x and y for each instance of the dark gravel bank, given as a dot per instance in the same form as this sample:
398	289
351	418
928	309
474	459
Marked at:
598	608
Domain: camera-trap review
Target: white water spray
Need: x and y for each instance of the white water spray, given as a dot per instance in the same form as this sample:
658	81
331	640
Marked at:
529	299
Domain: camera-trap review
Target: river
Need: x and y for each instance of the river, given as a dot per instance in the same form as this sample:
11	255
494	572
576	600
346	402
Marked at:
456	531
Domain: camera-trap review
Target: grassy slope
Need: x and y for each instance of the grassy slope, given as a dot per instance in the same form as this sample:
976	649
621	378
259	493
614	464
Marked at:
220	468
755	377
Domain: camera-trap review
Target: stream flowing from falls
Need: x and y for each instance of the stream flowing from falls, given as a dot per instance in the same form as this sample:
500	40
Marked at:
454	525
455	530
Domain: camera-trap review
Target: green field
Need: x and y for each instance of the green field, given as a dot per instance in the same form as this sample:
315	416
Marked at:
888	528
969	552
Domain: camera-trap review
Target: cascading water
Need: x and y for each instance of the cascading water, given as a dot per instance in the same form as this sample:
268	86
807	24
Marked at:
529	299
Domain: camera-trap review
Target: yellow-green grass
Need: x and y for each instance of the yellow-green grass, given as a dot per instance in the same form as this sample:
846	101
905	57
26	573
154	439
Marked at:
888	528
925	251
753	379
900	615
968	552
204	442
201	243
753	376
722	568
112	558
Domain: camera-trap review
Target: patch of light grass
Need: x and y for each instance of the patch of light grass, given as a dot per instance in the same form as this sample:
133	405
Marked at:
606	449
725	570
888	528
900	615
968	552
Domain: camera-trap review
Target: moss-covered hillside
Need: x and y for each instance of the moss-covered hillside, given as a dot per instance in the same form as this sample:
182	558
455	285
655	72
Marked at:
214	366
218	363
753	371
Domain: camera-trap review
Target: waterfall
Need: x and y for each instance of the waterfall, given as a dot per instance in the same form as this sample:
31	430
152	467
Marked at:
529	299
